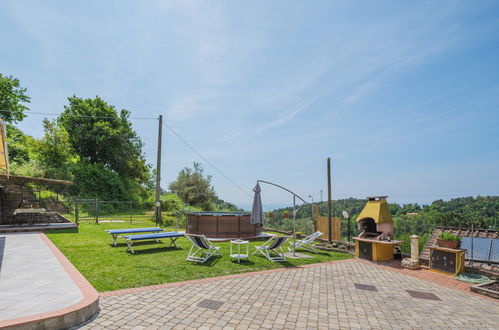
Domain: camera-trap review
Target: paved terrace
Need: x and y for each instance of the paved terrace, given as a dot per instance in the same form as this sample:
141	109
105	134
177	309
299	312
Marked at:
339	295
39	288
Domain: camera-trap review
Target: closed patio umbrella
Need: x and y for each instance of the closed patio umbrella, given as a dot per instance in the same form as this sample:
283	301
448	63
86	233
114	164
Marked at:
256	211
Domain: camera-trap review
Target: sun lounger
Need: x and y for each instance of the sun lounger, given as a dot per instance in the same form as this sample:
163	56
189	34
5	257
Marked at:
201	245
172	235
270	249
306	242
118	233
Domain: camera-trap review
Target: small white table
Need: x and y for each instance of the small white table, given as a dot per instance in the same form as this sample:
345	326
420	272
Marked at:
239	255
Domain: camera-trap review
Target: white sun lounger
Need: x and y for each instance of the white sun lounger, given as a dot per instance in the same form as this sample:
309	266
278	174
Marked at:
201	245
270	249
306	242
172	235
119	233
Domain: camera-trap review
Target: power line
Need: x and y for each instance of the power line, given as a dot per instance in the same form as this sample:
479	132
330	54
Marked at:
80	116
206	160
167	126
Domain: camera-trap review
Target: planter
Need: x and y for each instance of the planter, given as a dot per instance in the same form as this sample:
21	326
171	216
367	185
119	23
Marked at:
448	244
490	289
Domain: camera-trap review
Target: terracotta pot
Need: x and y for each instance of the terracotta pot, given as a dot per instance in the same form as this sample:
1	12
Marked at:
448	244
286	216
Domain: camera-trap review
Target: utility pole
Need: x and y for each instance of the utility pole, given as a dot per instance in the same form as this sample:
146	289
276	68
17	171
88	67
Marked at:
312	214
158	173
329	201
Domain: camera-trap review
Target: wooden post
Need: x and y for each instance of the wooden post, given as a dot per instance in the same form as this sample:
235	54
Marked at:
329	201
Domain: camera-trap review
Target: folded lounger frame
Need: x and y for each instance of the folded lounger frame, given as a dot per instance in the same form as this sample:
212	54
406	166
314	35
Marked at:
172	235
270	249
306	242
201	245
118	233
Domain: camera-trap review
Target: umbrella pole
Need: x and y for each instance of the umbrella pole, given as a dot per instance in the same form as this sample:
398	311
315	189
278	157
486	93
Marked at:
294	226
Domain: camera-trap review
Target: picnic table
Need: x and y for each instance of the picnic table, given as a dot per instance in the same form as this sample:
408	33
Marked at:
30	214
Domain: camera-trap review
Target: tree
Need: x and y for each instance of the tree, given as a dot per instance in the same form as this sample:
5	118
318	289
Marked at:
12	99
194	188
100	135
94	180
20	145
54	154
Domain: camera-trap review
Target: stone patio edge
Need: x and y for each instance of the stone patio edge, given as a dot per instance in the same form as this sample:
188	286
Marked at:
67	316
211	279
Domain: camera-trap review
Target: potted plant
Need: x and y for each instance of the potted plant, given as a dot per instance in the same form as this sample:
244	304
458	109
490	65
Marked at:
270	214
285	213
298	234
449	240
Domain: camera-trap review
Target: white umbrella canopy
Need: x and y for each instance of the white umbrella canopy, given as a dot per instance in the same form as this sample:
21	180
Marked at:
257	211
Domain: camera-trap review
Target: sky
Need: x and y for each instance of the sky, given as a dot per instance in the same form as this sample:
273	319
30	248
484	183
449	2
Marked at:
402	96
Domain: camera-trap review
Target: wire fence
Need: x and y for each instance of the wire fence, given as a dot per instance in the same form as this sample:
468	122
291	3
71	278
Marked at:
95	210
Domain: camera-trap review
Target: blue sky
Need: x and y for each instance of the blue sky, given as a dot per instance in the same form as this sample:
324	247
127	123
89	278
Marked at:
403	96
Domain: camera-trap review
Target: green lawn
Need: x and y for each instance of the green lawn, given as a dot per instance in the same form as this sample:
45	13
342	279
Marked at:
111	268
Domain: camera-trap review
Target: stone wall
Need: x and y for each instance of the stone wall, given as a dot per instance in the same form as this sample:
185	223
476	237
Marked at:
39	218
13	196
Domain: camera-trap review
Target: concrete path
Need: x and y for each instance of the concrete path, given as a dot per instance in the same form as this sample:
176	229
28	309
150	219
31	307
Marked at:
32	280
342	295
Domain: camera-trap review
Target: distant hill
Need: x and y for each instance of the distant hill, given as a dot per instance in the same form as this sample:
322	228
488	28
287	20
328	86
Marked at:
481	211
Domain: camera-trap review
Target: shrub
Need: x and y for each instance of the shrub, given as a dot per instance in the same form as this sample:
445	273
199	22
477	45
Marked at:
449	237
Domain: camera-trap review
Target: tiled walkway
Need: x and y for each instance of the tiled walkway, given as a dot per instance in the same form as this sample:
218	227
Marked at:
32	280
322	296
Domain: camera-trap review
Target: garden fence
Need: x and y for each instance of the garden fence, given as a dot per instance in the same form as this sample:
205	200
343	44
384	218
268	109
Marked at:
95	210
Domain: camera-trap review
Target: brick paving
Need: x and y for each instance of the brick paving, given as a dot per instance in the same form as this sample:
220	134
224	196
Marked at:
322	296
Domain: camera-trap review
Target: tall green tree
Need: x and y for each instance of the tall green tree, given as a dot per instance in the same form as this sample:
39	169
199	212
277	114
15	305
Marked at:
13	99
194	188
54	153
21	146
13	105
99	134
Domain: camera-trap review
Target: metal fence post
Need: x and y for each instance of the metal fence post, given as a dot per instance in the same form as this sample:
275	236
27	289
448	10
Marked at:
471	256
76	211
405	233
96	211
349	231
130	204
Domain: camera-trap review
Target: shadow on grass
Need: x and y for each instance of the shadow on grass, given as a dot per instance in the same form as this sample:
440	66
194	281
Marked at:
208	263
283	263
319	253
63	231
140	243
244	262
154	250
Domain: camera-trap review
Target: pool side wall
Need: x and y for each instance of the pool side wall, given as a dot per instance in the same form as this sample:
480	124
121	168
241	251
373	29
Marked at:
222	225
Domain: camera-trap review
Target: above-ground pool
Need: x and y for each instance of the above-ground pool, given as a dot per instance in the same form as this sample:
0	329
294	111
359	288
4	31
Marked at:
222	225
